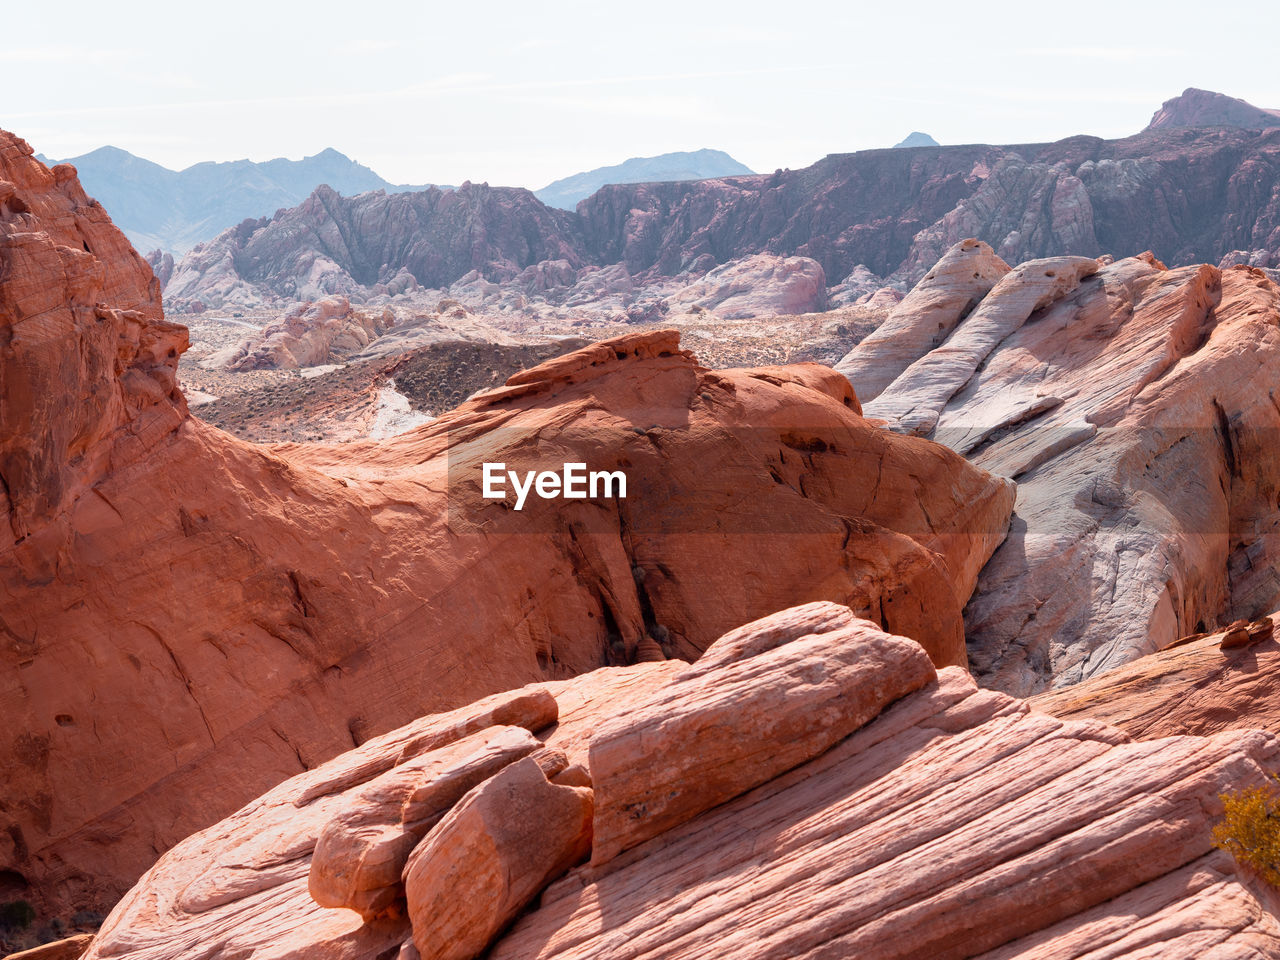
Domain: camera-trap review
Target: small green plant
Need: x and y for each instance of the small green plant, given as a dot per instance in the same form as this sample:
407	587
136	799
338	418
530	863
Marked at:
1250	830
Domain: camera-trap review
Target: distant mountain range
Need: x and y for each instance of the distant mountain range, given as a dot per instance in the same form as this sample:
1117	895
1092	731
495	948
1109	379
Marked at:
173	210
667	168
1196	186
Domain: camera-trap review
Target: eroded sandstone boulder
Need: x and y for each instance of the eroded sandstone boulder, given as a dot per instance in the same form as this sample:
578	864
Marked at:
750	713
361	853
491	855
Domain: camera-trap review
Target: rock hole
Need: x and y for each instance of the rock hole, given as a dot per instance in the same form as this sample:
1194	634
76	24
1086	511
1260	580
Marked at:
1050	273
64	720
11	882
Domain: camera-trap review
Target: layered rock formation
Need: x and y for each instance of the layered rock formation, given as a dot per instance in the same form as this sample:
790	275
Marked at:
88	366
1129	403
1042	837
245	612
307	335
376	243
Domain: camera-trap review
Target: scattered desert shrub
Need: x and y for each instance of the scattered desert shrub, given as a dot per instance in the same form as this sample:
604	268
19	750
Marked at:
1250	830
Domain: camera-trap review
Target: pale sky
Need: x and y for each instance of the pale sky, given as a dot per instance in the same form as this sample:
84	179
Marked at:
522	93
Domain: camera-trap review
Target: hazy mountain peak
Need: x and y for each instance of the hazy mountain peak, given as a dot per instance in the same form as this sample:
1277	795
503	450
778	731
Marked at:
917	139
682	165
173	210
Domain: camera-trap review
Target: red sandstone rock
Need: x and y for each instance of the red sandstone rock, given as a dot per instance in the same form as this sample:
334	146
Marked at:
361	853
492	854
88	370
247	612
957	822
1194	687
70	948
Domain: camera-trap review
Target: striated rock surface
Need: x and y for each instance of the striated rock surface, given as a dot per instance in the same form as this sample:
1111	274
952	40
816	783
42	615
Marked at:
747	714
308	335
924	318
1128	402
1193	686
920	392
1042	838
247	612
757	286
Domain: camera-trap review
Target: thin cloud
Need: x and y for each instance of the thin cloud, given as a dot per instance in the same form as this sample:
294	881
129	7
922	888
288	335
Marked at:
1115	54
62	54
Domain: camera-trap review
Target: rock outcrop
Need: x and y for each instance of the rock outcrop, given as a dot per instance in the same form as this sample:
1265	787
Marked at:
950	823
1129	403
88	366
308	335
1193	686
246	611
1204	108
924	318
491	856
